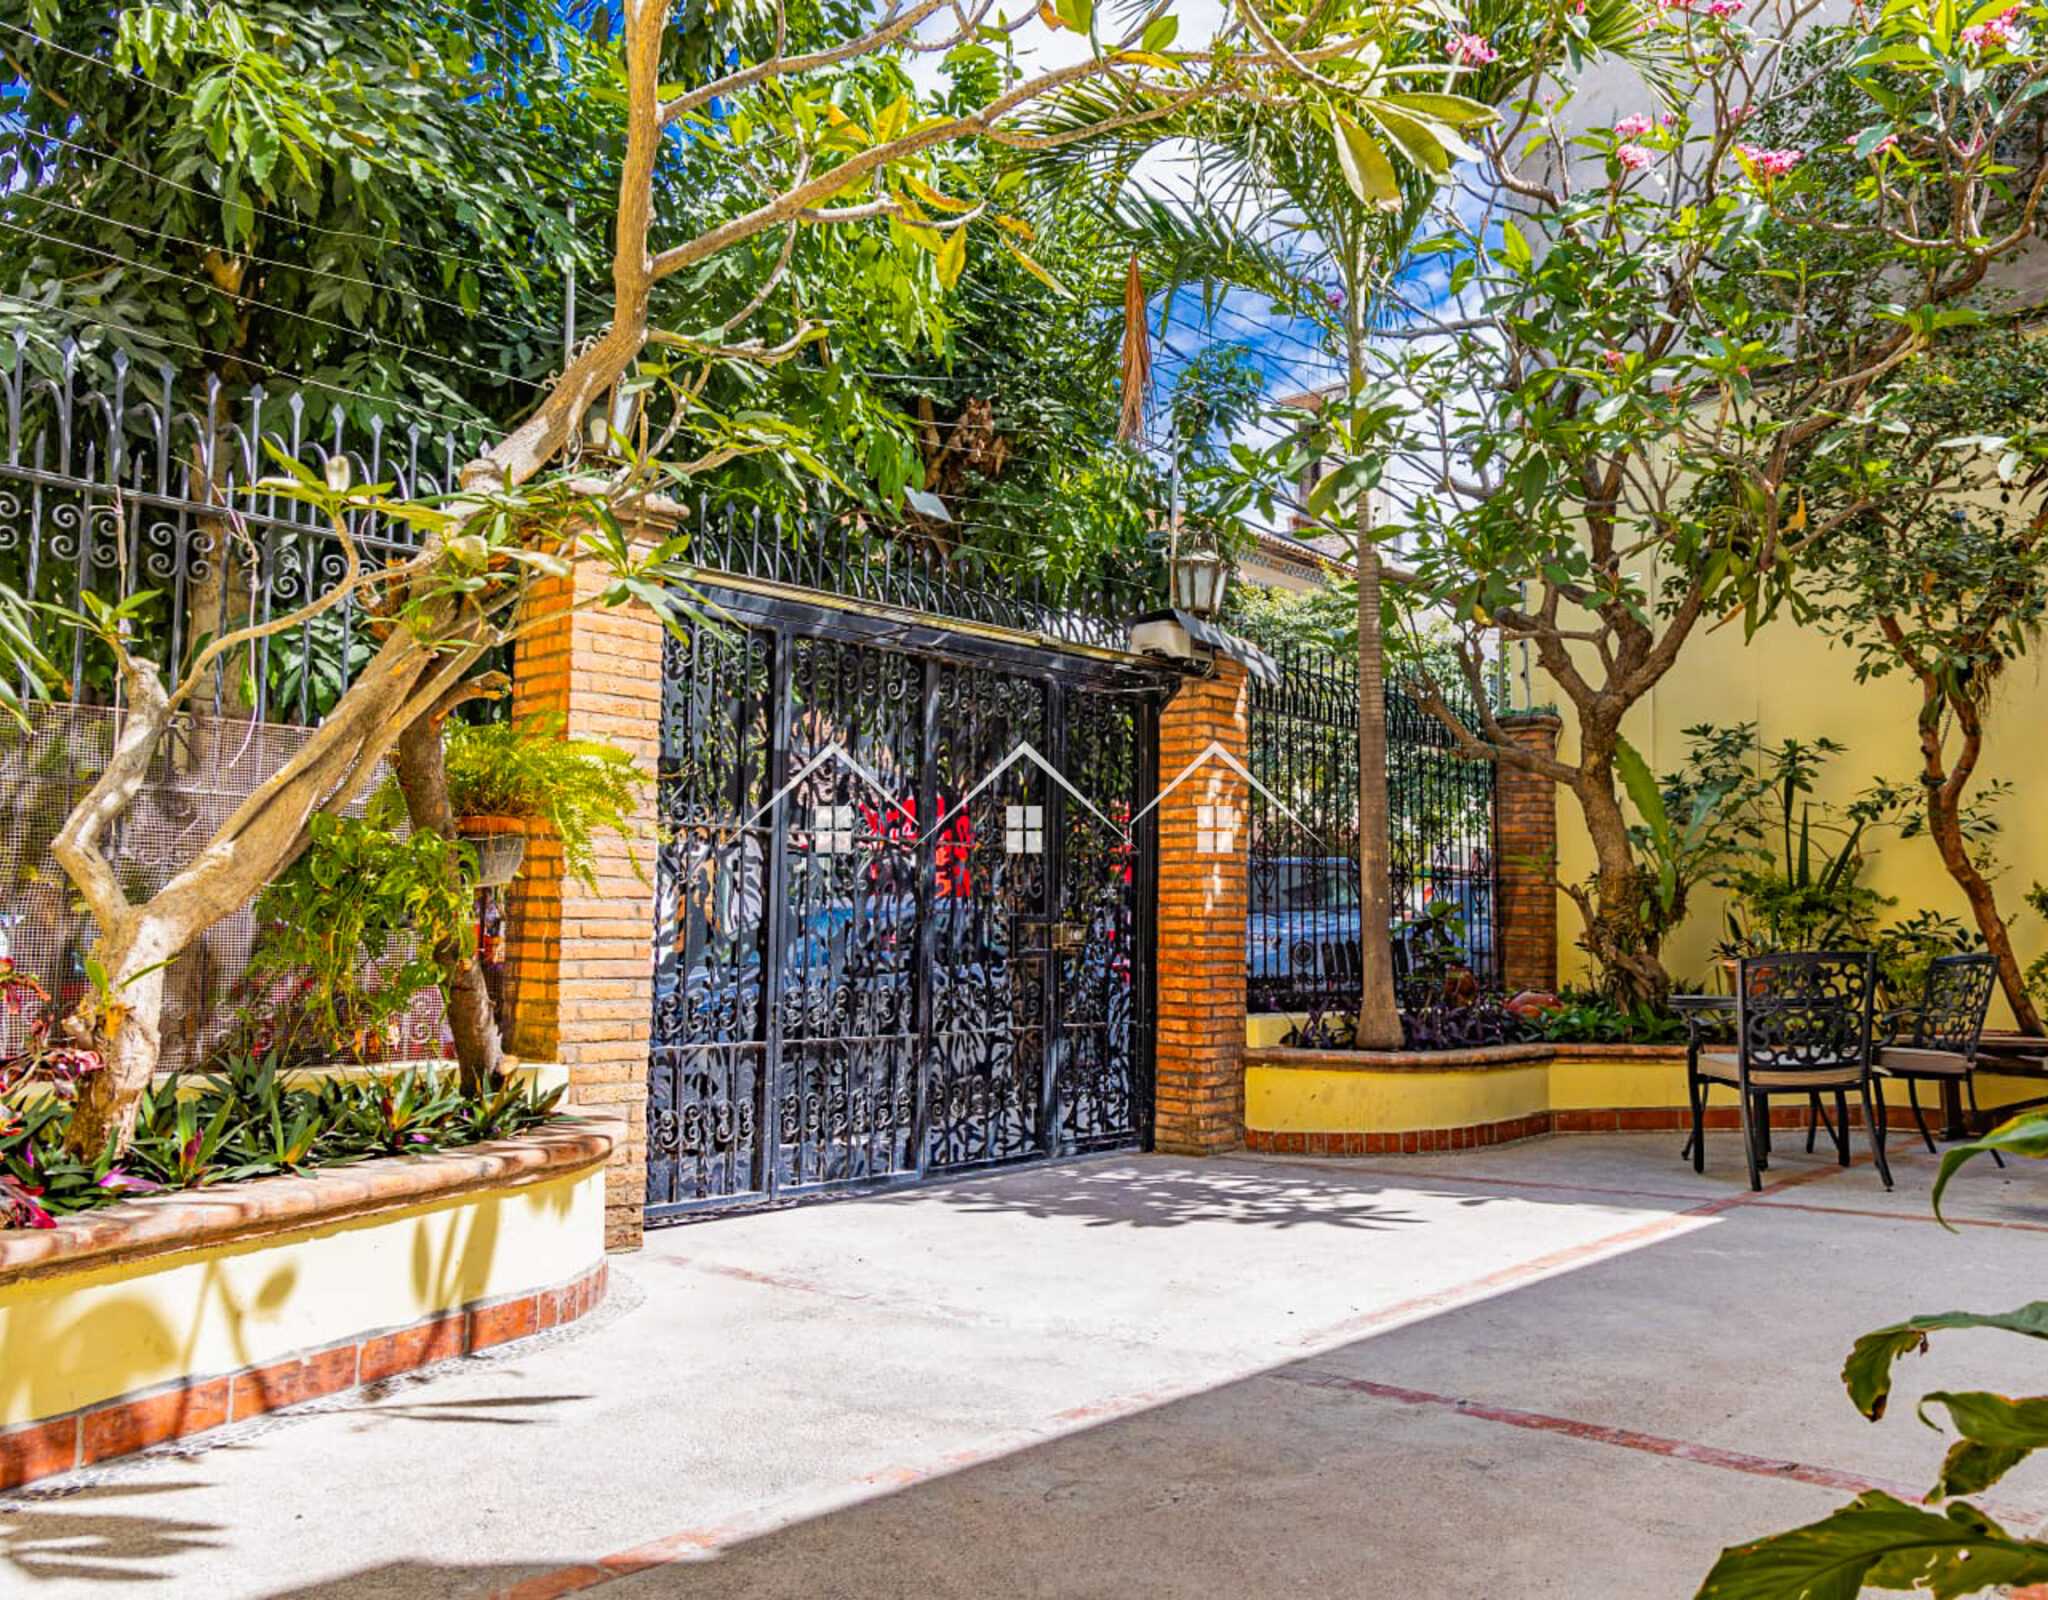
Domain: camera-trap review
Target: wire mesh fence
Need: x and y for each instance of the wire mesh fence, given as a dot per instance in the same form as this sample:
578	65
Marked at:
203	771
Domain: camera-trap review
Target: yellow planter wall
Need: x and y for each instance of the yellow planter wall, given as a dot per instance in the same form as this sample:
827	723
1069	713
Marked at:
1310	1099
76	1339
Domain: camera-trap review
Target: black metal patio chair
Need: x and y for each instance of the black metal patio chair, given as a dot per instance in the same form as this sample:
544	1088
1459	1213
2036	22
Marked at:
1802	1027
1936	1041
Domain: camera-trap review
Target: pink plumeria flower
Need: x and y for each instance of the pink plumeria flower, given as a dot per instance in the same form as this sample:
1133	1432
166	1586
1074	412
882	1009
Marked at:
1633	127
2001	32
1771	163
1724	8
1886	145
1634	157
1613	358
1472	50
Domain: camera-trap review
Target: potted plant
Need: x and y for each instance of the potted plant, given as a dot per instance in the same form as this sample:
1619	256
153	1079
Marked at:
503	777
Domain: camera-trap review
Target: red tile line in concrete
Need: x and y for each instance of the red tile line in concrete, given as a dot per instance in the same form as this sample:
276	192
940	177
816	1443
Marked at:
695	1543
1705	1455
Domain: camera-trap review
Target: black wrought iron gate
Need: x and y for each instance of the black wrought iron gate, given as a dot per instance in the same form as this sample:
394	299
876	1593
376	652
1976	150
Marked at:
873	963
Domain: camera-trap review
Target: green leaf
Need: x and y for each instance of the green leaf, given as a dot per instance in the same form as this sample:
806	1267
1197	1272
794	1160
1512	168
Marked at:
1365	165
1454	110
1878	1542
1037	271
1867	1373
1997	1434
952	257
1159	34
1515	249
1413	137
2025	1135
1643	793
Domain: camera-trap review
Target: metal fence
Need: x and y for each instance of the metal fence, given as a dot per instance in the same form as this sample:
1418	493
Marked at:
114	482
118	483
1302	933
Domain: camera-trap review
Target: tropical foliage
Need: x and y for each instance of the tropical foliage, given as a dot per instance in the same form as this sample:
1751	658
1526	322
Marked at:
1879	1541
528	769
347	936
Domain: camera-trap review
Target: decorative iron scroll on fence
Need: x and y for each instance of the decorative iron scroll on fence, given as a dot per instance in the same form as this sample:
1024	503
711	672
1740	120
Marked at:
114	482
1302	934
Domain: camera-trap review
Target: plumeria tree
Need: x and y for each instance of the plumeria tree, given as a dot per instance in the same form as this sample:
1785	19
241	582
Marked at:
830	132
1655	344
1943	580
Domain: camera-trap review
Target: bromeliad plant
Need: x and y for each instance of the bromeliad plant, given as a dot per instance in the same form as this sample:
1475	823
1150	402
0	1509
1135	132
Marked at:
246	1121
1878	1541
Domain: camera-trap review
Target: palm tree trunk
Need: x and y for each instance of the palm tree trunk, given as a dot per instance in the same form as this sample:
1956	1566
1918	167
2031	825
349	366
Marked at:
1379	1011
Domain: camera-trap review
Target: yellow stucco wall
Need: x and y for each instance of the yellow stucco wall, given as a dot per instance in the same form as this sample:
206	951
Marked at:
1305	1099
77	1339
1793	682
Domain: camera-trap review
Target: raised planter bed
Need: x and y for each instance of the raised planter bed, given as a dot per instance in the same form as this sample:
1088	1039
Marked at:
1403	1102
174	1313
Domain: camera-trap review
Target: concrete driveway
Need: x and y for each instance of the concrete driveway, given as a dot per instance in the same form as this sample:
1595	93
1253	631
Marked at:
1565	1368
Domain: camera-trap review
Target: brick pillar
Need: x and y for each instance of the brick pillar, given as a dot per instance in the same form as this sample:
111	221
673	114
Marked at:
1200	1089
580	973
1525	816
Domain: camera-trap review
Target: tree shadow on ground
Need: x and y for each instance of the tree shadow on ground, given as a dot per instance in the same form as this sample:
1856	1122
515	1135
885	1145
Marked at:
1497	1448
66	1534
472	1410
55	1529
1148	1193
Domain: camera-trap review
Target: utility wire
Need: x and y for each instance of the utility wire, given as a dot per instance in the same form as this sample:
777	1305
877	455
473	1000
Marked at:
293	266
284	311
385	402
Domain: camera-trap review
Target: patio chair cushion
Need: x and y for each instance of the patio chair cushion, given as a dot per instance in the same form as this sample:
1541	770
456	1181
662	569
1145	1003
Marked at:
1720	1065
1899	1060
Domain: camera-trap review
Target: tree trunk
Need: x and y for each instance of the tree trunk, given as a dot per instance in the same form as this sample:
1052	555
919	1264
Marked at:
1945	826
123	1028
1379	1010
1617	939
266	833
423	780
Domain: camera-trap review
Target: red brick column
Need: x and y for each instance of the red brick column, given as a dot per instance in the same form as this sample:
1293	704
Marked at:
1525	836
580	967
1200	1079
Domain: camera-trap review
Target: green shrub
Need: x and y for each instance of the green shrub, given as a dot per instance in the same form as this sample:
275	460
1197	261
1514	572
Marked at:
348	935
1590	1019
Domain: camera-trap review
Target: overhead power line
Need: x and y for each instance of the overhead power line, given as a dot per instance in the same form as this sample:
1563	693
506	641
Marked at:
93	319
283	311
